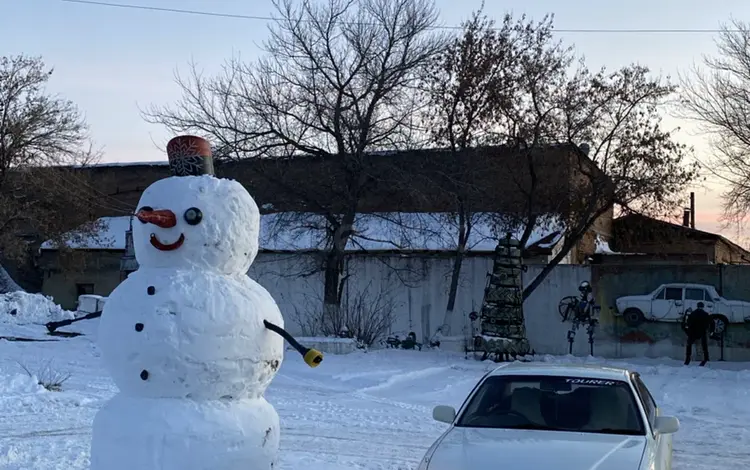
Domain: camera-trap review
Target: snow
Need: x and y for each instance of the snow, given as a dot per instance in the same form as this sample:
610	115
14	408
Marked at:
295	231
287	231
325	339
19	385
90	303
22	308
107	233
358	411
120	164
602	246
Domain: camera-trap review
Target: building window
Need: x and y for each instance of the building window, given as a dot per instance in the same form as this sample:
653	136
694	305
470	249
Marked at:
84	289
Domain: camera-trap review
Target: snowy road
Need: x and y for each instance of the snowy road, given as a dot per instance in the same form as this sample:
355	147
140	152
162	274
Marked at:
362	411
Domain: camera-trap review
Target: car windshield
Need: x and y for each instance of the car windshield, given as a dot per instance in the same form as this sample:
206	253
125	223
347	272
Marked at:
575	404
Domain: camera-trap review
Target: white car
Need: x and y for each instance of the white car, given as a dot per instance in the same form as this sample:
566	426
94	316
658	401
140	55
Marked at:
561	417
670	303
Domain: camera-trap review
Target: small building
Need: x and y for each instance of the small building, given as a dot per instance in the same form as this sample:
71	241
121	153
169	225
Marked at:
641	239
100	268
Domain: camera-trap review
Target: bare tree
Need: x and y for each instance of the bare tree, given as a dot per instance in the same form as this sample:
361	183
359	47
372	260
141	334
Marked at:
366	314
42	139
717	96
331	89
466	84
514	86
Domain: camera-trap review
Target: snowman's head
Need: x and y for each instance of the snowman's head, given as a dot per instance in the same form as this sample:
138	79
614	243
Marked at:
199	222
193	219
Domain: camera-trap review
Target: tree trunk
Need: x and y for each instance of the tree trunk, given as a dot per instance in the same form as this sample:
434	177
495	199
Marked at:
453	291
332	320
464	230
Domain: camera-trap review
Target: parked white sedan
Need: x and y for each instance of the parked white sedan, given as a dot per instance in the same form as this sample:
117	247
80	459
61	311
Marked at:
541	416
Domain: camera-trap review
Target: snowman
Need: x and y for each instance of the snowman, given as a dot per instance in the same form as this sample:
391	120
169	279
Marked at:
189	339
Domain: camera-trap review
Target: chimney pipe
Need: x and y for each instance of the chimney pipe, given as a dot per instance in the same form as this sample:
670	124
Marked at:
692	210
686	217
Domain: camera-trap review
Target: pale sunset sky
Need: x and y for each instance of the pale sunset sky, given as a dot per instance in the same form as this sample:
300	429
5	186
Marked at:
111	61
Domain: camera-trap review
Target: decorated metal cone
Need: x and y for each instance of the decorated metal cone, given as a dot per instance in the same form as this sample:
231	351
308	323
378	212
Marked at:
190	155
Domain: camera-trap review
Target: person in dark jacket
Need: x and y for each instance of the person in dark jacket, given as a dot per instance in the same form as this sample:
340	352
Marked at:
696	327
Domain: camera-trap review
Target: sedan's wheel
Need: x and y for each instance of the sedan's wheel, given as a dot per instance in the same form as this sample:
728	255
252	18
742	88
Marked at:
633	317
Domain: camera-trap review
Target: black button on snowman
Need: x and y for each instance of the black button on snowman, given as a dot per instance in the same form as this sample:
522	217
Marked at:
204	339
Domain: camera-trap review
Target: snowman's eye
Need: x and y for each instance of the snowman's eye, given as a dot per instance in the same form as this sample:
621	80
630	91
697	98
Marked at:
145	209
193	216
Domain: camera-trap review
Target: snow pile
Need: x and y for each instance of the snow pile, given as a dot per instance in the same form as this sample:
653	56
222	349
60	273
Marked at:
23	308
602	247
19	384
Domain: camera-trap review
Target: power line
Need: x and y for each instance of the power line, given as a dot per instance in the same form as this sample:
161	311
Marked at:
271	18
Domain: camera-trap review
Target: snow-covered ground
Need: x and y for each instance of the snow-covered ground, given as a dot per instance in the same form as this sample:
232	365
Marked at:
359	411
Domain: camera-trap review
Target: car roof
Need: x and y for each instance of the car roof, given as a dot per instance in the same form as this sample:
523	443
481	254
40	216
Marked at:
688	285
562	370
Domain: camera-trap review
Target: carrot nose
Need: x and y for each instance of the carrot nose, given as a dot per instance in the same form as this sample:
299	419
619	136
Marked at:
161	218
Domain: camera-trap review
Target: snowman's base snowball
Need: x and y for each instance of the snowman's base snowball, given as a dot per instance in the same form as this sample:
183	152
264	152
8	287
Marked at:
133	433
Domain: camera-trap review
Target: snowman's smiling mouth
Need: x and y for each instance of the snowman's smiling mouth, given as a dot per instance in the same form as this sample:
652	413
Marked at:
156	243
163	218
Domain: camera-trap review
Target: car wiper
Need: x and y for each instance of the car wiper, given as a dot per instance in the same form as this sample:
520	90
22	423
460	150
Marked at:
532	426
625	432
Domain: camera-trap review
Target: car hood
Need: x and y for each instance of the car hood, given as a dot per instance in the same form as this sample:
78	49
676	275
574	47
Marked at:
484	449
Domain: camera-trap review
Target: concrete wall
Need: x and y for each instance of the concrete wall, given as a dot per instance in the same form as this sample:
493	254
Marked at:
544	327
656	339
418	289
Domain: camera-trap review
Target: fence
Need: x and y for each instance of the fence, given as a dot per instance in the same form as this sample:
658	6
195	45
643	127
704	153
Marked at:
416	287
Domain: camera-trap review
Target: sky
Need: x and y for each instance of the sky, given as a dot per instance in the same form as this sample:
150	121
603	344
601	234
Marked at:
115	62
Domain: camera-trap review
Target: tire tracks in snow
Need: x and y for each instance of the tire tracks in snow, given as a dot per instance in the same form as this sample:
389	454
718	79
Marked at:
74	431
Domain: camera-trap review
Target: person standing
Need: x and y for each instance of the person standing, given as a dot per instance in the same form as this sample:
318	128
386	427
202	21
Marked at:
696	327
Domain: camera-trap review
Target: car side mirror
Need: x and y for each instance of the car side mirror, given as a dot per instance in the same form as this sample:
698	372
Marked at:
666	424
444	414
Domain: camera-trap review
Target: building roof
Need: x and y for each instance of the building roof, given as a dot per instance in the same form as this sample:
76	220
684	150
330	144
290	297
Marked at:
295	232
494	179
689	231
